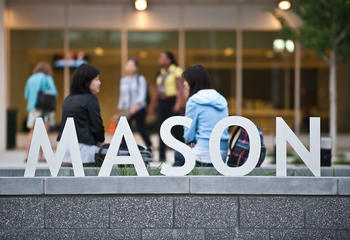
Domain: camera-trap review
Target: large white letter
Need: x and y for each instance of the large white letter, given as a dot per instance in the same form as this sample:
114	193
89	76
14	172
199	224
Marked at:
135	158
284	134
254	143
186	151
69	141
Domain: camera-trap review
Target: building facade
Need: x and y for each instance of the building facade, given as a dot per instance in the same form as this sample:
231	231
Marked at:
262	74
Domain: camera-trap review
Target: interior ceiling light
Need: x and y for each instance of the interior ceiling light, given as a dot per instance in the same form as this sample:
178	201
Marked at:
284	5
99	51
289	46
228	52
141	5
278	45
143	54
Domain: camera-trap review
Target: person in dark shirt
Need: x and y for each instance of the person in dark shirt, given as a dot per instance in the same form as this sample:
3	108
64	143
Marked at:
83	106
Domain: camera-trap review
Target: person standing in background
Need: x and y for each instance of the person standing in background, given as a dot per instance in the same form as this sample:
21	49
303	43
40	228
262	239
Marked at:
133	98
169	96
40	81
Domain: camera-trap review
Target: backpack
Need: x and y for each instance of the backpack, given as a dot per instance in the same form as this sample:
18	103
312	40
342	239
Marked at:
148	96
146	153
239	148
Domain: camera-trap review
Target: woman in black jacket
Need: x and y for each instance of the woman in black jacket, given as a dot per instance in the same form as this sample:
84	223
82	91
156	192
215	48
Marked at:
82	105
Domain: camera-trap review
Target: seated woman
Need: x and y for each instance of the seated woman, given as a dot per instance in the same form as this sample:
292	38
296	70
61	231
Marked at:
206	107
82	105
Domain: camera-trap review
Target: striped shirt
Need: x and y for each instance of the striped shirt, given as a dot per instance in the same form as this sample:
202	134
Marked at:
132	90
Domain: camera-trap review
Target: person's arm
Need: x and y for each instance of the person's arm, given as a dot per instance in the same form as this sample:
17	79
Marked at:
179	95
191	112
154	99
121	96
52	86
96	127
153	103
26	91
141	96
142	90
179	104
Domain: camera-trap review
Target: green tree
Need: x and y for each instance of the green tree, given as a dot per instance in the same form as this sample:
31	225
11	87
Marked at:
325	28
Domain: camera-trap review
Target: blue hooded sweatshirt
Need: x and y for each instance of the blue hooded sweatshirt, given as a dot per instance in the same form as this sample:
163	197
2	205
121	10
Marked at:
206	108
36	83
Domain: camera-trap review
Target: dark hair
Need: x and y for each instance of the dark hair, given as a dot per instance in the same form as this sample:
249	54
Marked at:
134	59
171	57
197	77
82	78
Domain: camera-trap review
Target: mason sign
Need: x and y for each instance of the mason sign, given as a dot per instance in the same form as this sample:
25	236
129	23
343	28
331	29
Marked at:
69	142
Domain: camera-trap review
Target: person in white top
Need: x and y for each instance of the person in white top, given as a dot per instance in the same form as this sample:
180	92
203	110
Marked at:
133	98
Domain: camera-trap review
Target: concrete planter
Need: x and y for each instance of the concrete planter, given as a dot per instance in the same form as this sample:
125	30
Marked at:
191	207
265	171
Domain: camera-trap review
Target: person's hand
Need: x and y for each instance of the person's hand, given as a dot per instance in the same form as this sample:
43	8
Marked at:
186	90
192	144
151	114
116	117
133	110
100	144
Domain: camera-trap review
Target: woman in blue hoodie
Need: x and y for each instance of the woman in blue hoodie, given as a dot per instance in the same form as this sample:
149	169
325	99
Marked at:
206	107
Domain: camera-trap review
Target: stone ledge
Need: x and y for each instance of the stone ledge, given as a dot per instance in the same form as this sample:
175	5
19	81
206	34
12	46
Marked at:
344	186
21	186
41	171
263	185
211	185
116	185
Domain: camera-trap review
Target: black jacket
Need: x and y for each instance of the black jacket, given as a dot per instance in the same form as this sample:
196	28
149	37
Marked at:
85	110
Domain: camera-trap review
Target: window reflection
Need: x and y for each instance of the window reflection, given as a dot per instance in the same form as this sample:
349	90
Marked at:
27	48
102	49
215	50
268	79
343	89
314	92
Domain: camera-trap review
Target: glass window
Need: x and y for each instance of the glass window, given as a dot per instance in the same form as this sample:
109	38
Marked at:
215	50
27	48
343	90
101	49
314	92
268	78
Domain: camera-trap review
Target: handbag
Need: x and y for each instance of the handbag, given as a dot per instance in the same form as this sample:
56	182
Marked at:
46	100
